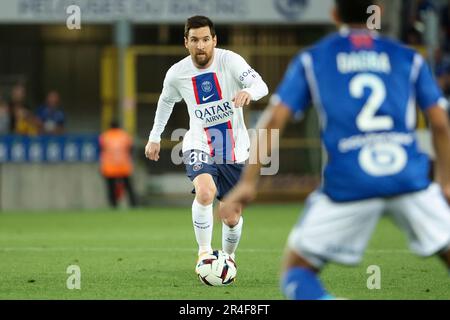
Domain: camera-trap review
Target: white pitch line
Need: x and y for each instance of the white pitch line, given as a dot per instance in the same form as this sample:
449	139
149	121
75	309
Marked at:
150	249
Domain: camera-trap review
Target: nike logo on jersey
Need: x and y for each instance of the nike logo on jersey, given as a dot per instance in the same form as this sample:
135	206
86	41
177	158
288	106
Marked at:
207	98
206	88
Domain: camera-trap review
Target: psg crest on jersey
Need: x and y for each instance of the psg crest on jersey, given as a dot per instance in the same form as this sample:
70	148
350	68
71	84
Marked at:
206	86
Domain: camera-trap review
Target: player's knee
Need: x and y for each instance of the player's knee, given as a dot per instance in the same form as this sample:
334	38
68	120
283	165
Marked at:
232	221
205	195
445	256
294	260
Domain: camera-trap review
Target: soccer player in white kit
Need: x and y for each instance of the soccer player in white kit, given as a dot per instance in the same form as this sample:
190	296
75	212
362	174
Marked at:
215	84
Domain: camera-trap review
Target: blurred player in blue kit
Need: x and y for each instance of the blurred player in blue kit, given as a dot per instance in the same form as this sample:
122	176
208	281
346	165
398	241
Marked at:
365	88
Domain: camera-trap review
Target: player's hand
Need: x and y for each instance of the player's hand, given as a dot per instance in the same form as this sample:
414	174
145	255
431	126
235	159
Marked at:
242	98
152	150
241	195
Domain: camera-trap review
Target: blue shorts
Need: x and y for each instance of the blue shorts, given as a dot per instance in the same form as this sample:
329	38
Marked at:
225	175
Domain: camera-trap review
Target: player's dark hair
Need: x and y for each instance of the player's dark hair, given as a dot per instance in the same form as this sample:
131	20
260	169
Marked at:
354	11
196	22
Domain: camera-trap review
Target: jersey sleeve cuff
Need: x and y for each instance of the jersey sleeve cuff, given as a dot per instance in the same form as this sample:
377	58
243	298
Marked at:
249	91
154	138
443	103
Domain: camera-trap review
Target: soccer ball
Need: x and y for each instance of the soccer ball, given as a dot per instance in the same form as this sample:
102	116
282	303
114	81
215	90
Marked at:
216	269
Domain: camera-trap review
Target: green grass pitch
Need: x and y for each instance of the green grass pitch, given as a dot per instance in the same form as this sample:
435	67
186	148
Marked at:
151	253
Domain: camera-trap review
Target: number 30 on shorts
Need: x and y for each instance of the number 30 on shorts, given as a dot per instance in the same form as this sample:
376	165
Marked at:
197	156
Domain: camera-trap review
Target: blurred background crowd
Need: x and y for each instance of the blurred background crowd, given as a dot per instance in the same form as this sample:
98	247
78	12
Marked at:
18	117
30	96
414	33
61	88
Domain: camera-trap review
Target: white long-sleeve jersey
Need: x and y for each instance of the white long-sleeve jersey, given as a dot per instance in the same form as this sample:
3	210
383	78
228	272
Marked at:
216	126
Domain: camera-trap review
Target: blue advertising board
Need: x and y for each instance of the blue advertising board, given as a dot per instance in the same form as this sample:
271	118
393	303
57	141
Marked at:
49	149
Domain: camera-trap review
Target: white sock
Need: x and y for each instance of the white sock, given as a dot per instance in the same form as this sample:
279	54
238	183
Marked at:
231	236
202	219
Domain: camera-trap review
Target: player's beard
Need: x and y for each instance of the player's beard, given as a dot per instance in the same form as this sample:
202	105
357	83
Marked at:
202	60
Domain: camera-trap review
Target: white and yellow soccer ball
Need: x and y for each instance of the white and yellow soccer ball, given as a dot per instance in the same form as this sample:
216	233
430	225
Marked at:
216	269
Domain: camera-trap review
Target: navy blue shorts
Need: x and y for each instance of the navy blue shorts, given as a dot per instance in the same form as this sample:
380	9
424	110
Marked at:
225	175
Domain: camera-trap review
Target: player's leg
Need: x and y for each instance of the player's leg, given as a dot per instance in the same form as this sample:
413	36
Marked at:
202	211
425	217
202	172
298	271
445	256
228	176
231	232
327	231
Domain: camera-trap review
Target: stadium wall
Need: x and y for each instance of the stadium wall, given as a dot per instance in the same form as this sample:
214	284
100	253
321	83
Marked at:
51	187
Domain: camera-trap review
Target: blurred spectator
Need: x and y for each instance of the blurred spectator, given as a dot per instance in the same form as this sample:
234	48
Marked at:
18	95
22	120
116	164
5	117
416	25
50	116
424	5
420	8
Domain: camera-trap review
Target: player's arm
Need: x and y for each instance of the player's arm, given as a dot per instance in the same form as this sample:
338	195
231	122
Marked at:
274	117
252	84
166	102
431	100
163	112
292	98
440	129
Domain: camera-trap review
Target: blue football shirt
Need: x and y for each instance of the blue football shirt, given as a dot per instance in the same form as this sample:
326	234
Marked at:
365	88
